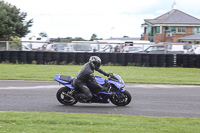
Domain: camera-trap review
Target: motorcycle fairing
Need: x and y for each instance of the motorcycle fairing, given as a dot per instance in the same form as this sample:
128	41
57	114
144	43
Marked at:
68	84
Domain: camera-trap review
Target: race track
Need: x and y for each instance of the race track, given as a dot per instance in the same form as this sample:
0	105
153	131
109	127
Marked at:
147	100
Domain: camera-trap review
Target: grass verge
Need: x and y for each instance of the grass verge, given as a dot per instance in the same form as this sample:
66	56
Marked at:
150	75
15	122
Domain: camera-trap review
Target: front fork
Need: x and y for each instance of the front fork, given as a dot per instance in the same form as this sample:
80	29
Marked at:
118	93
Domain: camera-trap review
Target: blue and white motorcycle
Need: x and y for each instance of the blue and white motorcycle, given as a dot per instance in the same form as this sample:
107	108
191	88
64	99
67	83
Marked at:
116	92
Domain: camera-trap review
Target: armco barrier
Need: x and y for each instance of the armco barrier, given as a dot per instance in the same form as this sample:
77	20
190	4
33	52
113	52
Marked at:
123	59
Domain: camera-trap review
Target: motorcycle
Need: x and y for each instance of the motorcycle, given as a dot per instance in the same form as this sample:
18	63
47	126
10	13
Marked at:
116	92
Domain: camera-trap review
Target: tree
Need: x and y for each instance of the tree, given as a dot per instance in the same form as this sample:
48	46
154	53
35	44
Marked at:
12	22
94	37
43	34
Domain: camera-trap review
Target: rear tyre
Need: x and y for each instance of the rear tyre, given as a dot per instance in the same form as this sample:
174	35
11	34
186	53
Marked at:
64	97
123	100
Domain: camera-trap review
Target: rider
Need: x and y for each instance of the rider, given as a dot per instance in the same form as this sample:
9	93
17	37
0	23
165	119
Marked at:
87	74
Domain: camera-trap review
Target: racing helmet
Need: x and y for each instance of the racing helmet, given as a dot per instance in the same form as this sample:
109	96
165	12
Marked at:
95	62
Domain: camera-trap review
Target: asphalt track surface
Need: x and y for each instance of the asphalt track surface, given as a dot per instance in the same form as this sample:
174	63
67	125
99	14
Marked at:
147	100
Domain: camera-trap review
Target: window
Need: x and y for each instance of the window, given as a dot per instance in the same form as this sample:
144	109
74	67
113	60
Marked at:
196	30
173	29
157	29
167	29
180	30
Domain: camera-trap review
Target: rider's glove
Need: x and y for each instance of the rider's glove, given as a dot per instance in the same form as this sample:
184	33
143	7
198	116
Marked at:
109	74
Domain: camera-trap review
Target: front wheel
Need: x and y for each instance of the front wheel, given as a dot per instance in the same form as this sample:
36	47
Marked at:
64	97
121	99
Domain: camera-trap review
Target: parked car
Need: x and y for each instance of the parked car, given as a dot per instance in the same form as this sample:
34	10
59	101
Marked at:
195	50
132	49
26	48
163	49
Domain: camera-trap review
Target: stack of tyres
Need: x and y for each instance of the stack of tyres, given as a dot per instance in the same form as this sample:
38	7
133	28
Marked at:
179	60
79	58
30	57
145	60
64	58
71	57
112	58
39	57
191	60
121	60
97	54
153	60
5	56
22	57
14	56
198	61
55	57
47	57
104	58
87	57
129	59
169	60
185	60
0	56
161	60
137	59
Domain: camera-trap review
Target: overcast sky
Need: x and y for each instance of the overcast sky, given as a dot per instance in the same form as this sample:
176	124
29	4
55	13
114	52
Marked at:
105	18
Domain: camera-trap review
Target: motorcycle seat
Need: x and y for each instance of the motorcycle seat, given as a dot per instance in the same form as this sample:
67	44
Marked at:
66	78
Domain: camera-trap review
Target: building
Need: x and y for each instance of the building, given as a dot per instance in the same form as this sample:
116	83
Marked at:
170	27
192	39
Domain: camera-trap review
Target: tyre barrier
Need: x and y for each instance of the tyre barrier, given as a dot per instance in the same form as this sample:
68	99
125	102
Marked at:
87	56
197	61
30	57
169	60
71	57
79	59
145	60
161	60
191	61
5	56
14	56
39	57
112	58
47	57
123	59
153	61
55	57
104	58
64	58
137	59
179	60
129	59
185	60
22	57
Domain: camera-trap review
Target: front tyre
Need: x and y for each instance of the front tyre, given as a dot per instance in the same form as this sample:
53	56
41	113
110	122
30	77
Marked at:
64	97
121	99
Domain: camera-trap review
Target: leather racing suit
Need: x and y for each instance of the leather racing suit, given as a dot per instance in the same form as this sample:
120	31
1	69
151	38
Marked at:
87	74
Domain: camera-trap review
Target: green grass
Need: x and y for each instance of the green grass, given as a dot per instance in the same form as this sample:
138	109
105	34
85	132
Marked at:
15	122
130	74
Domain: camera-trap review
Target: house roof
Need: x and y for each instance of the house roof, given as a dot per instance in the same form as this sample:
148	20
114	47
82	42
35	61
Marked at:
124	38
174	17
191	37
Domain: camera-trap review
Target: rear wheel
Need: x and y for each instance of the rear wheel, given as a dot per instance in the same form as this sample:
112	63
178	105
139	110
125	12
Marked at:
123	99
64	97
